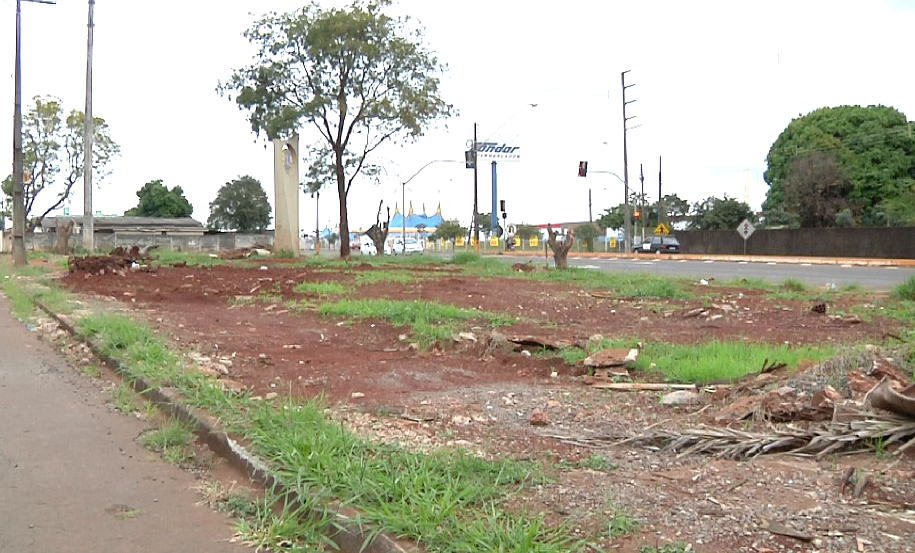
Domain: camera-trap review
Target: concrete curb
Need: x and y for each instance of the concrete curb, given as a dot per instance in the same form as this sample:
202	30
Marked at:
348	534
858	262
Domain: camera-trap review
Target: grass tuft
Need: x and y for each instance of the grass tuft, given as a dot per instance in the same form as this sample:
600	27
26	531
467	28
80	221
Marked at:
430	321
906	290
385	277
172	439
320	288
793	285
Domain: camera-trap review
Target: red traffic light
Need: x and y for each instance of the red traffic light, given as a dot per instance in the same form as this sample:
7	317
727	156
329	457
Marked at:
582	168
637	214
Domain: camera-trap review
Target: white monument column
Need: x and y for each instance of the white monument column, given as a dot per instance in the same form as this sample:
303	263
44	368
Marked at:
286	187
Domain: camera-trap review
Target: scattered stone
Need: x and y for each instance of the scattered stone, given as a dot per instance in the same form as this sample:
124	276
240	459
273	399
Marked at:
525	353
612	358
680	397
596	338
413	347
271	395
357	395
539	418
465	337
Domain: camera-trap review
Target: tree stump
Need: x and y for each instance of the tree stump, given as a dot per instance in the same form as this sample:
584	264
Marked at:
379	231
63	237
560	247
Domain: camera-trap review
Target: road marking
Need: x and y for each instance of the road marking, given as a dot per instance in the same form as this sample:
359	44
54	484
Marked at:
892	267
645	263
805	264
846	266
682	261
742	263
771	263
589	267
709	261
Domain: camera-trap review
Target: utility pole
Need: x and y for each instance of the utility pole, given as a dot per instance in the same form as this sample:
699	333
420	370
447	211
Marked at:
88	217
476	207
662	209
642	202
19	256
590	216
627	231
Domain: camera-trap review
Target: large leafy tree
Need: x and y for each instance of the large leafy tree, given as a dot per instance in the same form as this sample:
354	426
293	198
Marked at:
240	205
526	232
53	156
449	230
156	200
875	148
355	75
818	189
720	214
587	233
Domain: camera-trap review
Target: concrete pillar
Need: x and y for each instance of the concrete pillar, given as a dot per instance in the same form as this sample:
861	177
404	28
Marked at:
286	186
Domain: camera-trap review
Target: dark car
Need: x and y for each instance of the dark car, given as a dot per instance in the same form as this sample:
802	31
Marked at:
658	244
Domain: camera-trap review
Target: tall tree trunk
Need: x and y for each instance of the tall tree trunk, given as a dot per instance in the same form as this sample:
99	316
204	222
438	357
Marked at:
344	220
63	237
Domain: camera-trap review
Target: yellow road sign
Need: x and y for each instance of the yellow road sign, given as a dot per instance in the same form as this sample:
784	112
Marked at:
534	242
613	242
517	242
494	241
662	229
460	242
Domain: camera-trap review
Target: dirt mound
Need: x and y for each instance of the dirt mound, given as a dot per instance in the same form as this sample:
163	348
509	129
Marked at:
116	262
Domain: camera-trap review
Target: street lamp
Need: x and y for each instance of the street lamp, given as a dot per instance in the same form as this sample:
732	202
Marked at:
403	215
317	196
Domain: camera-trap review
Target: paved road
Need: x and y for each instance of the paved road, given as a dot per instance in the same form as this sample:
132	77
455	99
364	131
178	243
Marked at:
876	278
67	463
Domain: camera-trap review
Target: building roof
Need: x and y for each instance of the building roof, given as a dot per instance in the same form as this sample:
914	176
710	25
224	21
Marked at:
130	223
430	222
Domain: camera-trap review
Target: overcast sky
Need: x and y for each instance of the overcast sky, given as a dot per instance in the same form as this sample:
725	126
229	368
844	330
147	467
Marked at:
715	83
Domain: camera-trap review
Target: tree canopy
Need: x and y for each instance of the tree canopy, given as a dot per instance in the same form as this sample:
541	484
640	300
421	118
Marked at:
156	200
240	205
873	146
53	157
526	232
449	230
355	76
720	214
817	189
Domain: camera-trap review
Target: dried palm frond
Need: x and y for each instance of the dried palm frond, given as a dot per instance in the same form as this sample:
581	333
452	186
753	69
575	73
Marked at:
816	441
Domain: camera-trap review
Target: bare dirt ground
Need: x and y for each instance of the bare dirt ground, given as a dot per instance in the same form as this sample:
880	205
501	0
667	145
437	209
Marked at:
237	323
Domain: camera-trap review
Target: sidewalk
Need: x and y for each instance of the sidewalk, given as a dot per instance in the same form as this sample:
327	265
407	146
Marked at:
69	466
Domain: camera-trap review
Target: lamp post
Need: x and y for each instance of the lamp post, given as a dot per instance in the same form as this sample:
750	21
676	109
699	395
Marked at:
317	196
404	197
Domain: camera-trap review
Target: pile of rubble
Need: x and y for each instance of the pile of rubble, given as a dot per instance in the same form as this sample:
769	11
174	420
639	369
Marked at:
118	261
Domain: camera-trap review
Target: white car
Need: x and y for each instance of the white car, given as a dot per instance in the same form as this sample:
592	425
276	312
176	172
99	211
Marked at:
367	246
413	246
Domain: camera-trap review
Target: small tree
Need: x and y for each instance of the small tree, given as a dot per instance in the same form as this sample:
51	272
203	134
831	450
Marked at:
817	190
845	219
158	201
449	230
358	76
588	233
560	244
332	239
484	222
240	205
720	214
526	232
379	231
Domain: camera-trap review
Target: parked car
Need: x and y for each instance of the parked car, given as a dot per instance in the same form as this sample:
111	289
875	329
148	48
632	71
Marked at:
413	246
367	246
658	244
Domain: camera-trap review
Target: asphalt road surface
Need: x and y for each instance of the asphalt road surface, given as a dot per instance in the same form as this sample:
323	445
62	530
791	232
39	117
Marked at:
875	278
72	476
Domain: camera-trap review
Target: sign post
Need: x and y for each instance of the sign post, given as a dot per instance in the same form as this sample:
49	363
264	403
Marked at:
745	229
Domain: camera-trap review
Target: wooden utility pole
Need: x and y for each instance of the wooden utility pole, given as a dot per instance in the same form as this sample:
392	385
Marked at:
662	209
88	217
627	231
19	256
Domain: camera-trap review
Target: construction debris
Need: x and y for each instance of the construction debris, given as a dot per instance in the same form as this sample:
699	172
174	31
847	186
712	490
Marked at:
116	262
537	342
778	528
244	253
612	358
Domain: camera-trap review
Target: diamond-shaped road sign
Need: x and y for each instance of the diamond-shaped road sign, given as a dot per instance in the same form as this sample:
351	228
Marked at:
746	229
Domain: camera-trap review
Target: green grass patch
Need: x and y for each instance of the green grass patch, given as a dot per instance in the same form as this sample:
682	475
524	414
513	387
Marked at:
320	288
172	440
670	548
385	277
448	500
430	321
906	290
595	462
621	524
624	285
793	285
708	362
123	399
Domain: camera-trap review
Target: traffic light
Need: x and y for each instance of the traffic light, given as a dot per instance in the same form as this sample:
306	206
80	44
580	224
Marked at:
501	205
469	159
582	168
638	214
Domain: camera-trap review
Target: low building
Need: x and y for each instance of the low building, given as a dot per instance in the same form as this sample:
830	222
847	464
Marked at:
163	226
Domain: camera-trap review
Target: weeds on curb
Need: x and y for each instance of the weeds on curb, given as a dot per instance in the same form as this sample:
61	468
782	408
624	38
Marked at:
906	290
449	501
172	440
